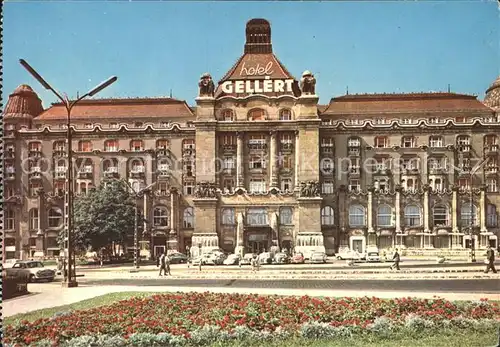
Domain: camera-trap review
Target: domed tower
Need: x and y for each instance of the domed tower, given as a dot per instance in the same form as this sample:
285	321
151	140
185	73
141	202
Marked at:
23	105
258	35
492	98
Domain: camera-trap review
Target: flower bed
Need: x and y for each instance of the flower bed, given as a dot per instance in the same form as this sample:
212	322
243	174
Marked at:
195	318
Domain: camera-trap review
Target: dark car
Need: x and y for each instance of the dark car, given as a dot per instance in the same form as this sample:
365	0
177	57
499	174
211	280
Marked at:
178	258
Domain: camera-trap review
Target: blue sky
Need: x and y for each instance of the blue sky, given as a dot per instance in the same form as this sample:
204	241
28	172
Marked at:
154	47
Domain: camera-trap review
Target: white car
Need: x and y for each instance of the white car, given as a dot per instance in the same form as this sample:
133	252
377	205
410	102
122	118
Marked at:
232	259
348	255
372	257
318	258
9	263
37	271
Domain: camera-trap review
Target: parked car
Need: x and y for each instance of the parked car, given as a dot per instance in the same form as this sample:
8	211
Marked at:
247	258
178	258
318	258
281	258
216	258
37	270
203	259
232	259
298	258
349	255
9	263
265	258
372	256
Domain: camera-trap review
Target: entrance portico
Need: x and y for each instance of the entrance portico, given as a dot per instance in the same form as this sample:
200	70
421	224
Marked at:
257	239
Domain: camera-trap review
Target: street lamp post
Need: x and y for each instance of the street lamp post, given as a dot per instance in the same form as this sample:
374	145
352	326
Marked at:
70	280
137	195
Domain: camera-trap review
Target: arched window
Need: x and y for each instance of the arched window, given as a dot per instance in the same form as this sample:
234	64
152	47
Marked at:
286	114
160	217
228	216
468	216
10	219
327	215
440	216
413	217
110	165
34	217
188	218
55	217
85	146
286	216
384	216
227	116
256	115
136	166
357	216
491	216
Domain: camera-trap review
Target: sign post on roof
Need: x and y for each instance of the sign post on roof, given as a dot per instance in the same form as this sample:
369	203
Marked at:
257	86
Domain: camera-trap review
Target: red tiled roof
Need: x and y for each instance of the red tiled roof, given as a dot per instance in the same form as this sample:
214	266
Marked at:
23	103
394	103
121	108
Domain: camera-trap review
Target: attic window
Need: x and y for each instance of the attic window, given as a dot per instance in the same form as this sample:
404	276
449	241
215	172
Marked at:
138	124
163	124
285	114
113	125
89	125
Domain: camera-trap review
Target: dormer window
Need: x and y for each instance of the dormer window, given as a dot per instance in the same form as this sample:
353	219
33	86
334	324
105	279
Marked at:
138	124
88	125
286	114
257	114
227	116
408	142
113	125
381	142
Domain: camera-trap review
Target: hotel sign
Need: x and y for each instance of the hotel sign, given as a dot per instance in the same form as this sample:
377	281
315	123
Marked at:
264	85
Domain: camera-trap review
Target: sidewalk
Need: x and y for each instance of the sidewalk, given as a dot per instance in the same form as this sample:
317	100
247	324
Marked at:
53	295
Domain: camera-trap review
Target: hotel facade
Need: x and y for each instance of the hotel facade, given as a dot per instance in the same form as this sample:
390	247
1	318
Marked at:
256	163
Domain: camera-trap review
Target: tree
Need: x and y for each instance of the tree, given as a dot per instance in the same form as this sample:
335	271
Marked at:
105	216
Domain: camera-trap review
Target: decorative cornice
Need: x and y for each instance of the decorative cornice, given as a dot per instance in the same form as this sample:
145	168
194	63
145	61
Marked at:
98	128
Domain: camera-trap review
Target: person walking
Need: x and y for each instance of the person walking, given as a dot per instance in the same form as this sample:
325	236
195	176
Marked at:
163	264
490	257
396	258
167	265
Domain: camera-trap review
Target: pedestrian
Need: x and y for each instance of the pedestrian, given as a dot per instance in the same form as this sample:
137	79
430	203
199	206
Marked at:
167	265
490	258
396	260
163	264
253	262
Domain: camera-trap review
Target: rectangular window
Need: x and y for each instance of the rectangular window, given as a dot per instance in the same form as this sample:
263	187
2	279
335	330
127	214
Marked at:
33	188
258	186
327	187
381	142
492	185
228	184
257	162
228	163
436	141
137	146
464	183
257	216
35	146
286	185
408	142
163	188
354	185
229	140
111	146
189	188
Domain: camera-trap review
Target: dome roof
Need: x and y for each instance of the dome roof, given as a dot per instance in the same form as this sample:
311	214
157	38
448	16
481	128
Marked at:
23	103
492	98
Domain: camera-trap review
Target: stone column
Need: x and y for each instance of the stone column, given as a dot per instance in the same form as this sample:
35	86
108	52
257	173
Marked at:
426	210
297	160
398	210
482	210
239	160
273	177
454	210
369	214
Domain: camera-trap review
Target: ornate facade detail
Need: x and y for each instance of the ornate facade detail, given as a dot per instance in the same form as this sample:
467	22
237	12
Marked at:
205	190
309	189
206	85
308	83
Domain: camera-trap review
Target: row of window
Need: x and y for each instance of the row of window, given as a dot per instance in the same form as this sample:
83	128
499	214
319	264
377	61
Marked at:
161	218
256	114
432	120
110	145
436	141
385	216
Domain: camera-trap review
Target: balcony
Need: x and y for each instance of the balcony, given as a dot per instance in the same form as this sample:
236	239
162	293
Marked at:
491	149
84	174
229	148
111	172
137	172
327	171
286	147
162	152
58	175
353	151
34	154
35	173
354	171
188	151
491	170
437	170
162	173
257	145
463	148
411	171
